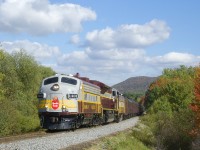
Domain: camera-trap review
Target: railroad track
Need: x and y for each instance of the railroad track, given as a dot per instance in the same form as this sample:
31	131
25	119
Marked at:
64	139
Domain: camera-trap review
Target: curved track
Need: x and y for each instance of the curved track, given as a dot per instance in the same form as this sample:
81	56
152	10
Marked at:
61	140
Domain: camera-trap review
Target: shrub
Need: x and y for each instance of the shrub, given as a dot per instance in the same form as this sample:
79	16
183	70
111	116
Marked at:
165	131
144	134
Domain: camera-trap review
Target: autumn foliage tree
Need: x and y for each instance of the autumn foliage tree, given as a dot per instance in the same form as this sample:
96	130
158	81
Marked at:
195	106
167	101
175	85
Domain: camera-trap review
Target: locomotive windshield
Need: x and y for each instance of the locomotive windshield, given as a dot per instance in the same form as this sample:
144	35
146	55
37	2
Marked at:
51	80
63	80
69	81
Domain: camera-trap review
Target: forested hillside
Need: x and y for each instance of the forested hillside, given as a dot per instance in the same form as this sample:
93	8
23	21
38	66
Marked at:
20	79
135	84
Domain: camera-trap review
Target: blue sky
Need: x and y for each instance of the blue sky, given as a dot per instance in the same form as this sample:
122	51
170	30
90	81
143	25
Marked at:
105	40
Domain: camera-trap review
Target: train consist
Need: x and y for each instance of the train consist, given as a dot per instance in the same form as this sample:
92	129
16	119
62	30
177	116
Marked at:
67	102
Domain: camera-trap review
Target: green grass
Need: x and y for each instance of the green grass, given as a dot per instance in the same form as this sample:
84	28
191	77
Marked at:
121	141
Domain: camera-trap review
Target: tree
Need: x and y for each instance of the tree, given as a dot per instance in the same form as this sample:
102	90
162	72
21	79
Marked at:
172	86
195	106
167	100
20	79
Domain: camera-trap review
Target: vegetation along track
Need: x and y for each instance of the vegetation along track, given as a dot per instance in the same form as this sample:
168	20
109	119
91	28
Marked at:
65	139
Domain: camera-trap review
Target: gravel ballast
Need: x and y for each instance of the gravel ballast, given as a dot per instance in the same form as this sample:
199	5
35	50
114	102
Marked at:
66	139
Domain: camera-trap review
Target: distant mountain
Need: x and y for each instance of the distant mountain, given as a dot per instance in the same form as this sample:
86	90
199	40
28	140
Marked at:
135	84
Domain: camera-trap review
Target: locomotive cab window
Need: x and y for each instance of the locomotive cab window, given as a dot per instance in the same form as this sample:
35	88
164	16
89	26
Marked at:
113	93
51	80
69	81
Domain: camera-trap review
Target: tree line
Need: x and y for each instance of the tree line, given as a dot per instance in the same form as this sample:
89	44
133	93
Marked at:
20	79
173	110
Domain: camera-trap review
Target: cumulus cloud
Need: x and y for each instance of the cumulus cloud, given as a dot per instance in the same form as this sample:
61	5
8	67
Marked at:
41	17
175	59
103	63
41	52
129	36
115	65
75	39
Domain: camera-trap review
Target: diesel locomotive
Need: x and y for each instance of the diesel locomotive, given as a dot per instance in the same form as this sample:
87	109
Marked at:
67	102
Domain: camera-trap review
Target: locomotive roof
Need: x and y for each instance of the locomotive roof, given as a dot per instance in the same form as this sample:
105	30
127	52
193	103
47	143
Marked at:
90	84
104	88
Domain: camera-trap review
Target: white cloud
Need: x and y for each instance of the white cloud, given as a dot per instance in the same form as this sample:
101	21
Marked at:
176	58
41	52
115	65
129	36
103	39
75	39
40	17
103	63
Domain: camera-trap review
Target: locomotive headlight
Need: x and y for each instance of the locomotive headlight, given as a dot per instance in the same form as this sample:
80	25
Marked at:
46	106
55	87
64	109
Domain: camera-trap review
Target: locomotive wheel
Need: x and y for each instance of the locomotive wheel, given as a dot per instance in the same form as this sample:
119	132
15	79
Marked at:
78	125
73	126
119	118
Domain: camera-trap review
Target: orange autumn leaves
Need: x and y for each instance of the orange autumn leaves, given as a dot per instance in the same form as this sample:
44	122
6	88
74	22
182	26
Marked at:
179	89
195	106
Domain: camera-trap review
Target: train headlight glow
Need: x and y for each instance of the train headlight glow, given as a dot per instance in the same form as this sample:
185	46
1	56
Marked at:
55	87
